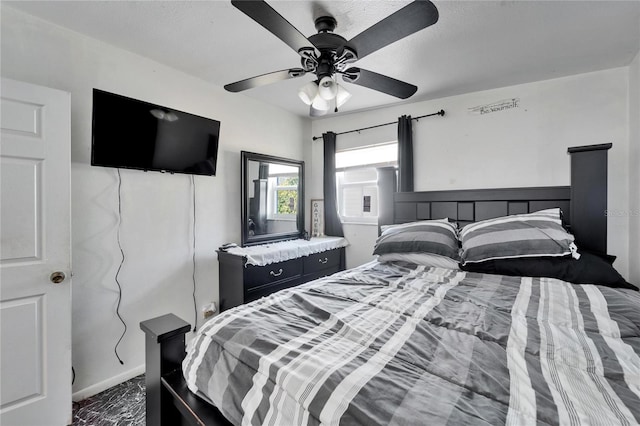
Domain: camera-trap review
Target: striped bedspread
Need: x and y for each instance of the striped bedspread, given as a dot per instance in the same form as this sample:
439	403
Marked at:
407	345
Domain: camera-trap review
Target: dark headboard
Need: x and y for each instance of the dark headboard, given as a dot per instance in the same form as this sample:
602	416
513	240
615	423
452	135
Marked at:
583	204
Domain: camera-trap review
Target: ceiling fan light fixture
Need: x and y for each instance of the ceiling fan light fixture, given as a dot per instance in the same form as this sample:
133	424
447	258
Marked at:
320	104
327	88
308	92
326	53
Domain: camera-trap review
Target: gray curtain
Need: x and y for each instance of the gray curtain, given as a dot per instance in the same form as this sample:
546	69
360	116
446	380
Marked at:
263	171
405	154
332	224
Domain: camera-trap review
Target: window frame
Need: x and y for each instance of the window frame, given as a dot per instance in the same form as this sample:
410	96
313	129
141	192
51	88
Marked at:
272	200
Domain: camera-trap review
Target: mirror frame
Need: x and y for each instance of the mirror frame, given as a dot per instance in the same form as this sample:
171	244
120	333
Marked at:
249	240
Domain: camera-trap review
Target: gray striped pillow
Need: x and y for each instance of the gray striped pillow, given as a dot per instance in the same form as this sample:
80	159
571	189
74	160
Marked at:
522	235
430	236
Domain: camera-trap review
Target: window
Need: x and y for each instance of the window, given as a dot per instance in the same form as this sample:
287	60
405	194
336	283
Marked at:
282	199
357	180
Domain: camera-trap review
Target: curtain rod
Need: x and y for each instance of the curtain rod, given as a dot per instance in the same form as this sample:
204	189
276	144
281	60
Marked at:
440	113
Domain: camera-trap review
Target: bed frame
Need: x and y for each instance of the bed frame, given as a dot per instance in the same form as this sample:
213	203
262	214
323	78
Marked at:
584	203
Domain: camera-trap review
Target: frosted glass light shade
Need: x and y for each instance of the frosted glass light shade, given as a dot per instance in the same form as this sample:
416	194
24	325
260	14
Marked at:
320	103
342	96
327	88
308	92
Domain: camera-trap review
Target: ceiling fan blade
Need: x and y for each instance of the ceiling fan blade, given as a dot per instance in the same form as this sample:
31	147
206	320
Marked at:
406	21
266	16
379	82
264	79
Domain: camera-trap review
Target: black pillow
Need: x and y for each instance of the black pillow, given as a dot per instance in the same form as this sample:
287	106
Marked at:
589	269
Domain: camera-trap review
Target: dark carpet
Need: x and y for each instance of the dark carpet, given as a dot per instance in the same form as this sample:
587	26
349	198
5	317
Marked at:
123	404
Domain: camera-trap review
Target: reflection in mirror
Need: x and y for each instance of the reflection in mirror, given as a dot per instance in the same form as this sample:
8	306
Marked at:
272	198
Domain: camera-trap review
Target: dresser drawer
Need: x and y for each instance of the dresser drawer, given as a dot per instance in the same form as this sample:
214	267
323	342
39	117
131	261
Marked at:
256	276
319	261
265	290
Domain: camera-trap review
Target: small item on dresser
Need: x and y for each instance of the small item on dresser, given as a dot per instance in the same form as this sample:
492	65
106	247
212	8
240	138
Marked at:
227	246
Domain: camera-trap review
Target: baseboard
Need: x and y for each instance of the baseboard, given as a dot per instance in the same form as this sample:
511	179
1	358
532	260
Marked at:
106	384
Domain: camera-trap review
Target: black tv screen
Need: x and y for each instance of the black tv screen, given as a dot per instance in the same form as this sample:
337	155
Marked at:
128	133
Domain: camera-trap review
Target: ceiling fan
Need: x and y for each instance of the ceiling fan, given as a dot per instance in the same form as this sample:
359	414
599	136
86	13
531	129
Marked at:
327	54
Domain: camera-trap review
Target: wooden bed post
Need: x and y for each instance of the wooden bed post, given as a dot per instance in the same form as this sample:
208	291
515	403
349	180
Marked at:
589	196
165	350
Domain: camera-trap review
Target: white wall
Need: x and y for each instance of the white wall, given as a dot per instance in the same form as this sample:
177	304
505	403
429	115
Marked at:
524	146
634	168
156	232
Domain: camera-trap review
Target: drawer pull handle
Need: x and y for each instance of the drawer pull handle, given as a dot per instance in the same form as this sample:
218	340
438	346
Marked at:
325	260
276	274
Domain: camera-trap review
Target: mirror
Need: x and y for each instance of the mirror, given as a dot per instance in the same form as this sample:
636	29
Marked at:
272	198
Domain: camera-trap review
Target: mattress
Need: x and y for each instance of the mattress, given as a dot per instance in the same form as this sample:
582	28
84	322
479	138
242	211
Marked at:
401	344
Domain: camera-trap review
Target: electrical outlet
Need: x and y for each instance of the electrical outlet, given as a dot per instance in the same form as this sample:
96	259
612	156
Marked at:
209	309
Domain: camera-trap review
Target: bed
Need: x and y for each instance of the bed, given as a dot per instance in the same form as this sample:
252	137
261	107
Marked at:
406	342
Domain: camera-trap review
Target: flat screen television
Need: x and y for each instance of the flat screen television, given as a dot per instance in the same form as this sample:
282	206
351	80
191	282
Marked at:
132	134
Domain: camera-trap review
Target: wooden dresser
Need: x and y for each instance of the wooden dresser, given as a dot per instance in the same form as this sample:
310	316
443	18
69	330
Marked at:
241	282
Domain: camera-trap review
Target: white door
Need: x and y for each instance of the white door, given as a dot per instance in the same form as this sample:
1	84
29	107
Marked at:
35	250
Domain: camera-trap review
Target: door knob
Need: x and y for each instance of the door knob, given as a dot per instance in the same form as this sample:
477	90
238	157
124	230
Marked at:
57	277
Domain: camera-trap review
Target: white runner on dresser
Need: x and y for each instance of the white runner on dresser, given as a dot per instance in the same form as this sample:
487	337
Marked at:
265	254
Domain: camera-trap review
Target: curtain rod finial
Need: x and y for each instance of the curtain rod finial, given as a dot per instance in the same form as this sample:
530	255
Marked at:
441	113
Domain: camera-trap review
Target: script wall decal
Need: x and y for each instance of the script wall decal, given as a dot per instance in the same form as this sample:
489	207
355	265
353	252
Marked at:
496	106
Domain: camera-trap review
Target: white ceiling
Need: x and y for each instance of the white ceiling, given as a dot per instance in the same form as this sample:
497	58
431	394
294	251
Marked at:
475	45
